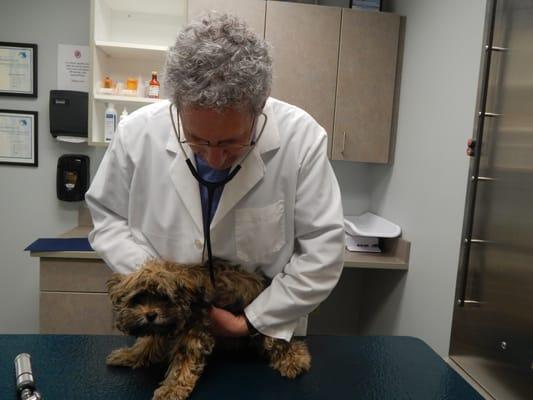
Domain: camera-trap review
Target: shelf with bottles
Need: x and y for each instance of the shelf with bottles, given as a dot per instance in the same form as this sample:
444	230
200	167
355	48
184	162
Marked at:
128	40
98	118
119	80
120	70
134	90
99	110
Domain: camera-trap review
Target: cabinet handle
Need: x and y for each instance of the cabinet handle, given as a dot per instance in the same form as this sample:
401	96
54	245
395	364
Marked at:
496	48
479	241
470	303
343	142
489	114
483	179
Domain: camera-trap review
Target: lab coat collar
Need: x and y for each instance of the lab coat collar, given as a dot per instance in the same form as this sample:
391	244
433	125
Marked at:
252	171
185	184
270	139
253	168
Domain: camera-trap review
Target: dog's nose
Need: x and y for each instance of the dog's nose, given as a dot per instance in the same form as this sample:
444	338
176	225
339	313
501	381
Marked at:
150	316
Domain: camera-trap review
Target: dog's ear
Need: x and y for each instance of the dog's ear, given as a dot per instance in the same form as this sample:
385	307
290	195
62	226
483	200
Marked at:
192	282
114	287
195	294
204	294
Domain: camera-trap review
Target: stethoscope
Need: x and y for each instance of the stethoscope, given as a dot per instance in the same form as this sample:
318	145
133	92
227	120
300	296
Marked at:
212	186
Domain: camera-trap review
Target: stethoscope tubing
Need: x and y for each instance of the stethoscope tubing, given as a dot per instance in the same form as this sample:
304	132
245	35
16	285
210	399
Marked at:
211	187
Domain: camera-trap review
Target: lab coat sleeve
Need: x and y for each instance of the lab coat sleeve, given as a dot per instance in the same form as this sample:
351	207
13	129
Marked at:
108	201
316	264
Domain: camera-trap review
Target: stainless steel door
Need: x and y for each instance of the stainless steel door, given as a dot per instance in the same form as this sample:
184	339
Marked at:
492	334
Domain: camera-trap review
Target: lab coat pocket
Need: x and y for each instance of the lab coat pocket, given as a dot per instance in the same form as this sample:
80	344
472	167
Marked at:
259	232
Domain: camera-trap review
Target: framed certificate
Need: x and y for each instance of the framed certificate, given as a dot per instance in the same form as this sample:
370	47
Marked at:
18	69
18	137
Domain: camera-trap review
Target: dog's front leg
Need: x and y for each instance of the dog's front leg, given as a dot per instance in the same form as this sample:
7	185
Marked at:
186	366
145	351
290	359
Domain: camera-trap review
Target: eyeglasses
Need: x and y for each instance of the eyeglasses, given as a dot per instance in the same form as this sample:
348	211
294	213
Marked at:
205	144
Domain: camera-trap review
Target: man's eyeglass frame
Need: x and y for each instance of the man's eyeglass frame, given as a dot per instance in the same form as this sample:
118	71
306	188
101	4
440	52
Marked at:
229	146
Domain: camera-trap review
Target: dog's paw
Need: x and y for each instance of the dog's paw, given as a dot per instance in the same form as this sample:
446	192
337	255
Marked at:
169	393
124	357
292	362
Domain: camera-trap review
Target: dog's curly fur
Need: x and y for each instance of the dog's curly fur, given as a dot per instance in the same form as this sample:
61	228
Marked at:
166	306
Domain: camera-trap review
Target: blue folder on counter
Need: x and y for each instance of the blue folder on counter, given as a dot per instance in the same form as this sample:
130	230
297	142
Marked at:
60	244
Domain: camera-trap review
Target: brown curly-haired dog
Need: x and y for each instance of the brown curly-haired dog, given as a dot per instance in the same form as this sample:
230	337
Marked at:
166	306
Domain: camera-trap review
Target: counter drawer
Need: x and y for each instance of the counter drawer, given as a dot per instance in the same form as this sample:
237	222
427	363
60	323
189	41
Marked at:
76	313
74	275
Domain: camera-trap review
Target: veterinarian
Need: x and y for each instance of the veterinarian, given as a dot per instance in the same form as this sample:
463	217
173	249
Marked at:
281	213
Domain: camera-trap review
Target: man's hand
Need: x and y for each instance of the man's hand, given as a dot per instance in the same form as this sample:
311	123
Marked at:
224	323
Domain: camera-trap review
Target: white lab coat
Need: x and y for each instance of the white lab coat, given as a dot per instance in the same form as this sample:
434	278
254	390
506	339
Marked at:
281	214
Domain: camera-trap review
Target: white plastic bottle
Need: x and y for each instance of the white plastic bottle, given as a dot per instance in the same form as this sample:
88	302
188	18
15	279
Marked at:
110	124
123	115
140	87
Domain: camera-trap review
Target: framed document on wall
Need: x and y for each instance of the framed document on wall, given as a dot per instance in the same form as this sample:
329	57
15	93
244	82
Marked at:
18	137
18	69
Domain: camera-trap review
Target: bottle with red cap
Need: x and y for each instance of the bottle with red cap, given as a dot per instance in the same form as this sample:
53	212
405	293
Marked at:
153	88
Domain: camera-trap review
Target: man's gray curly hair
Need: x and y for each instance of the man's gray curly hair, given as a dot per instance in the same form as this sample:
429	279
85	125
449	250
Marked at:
218	62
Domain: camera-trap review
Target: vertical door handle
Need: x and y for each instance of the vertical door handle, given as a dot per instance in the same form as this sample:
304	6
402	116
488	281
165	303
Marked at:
489	114
496	48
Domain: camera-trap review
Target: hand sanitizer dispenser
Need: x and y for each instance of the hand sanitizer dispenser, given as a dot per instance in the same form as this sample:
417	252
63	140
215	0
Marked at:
72	177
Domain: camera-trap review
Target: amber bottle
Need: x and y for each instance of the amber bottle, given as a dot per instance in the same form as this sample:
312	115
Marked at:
153	88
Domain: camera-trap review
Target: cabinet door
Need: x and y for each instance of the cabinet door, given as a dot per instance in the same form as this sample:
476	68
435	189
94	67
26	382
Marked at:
366	86
305	43
252	11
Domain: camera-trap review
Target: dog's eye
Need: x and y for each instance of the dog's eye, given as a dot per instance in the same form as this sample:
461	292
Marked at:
139	298
145	298
162	297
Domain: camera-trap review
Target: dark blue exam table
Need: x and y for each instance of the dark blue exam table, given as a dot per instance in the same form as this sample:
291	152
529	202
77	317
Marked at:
344	367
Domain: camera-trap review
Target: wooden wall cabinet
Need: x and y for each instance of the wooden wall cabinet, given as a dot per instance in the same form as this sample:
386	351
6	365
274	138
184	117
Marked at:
339	65
366	86
252	11
305	49
336	63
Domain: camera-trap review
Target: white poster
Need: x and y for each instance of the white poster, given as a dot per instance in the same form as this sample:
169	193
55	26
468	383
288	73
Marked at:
73	67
